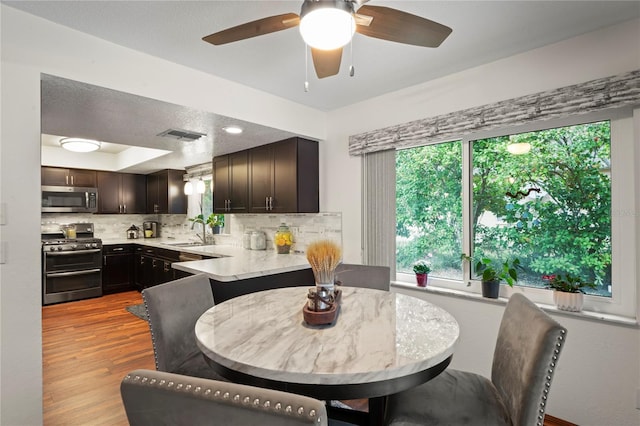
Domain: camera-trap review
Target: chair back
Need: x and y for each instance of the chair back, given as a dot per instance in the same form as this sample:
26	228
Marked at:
364	276
525	358
156	398
173	309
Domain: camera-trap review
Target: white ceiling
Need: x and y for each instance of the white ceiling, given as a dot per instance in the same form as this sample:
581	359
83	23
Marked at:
483	31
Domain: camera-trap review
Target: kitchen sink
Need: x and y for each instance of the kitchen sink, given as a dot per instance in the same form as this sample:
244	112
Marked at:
189	244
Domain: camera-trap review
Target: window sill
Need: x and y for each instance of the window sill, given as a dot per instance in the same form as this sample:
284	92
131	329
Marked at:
583	315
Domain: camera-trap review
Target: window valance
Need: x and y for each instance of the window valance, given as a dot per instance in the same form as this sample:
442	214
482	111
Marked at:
596	95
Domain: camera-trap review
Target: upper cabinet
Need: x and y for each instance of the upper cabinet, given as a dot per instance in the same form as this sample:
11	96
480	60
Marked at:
281	177
230	182
121	192
57	176
284	177
165	192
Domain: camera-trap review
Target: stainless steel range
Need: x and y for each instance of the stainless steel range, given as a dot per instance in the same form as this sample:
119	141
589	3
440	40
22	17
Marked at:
71	267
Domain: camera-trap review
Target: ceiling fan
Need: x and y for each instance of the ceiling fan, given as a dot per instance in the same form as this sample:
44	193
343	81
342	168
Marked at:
328	25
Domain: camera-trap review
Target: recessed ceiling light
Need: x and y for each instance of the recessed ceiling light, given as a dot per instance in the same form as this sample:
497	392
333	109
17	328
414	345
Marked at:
79	144
234	130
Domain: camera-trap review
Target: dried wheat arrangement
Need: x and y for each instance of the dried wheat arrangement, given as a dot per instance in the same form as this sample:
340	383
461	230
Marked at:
324	256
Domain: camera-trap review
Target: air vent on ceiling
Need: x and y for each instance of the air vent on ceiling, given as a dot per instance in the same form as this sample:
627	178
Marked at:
181	134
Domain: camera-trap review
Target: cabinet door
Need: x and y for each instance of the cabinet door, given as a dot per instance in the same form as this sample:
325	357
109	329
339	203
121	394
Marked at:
86	178
221	184
143	271
132	193
260	178
55	176
285	190
173	190
239	182
117	271
109	192
152	193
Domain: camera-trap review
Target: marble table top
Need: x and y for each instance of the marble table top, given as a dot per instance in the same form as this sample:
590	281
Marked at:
377	336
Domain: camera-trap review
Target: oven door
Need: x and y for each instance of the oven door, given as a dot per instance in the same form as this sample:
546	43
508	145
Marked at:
66	261
73	285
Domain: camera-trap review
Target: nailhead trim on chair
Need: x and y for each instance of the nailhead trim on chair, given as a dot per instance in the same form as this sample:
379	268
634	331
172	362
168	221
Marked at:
547	383
153	337
215	395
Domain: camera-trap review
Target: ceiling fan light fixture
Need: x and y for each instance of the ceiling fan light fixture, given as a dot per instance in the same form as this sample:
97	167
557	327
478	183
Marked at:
79	144
327	25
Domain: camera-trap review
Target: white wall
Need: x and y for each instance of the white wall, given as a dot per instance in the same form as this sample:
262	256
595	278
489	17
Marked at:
599	372
31	46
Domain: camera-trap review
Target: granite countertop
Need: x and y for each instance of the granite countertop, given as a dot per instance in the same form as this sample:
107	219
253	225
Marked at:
230	264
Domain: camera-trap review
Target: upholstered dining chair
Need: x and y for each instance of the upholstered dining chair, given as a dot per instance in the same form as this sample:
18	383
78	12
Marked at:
524	361
155	398
172	310
367	276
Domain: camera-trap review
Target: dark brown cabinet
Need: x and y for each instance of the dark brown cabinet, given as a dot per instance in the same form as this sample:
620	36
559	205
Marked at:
57	176
121	193
165	192
284	177
117	268
153	266
230	180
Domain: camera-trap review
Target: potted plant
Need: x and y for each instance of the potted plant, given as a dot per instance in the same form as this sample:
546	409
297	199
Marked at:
492	273
215	222
421	269
568	294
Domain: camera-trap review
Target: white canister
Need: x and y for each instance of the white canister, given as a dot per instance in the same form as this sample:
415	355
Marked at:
258	240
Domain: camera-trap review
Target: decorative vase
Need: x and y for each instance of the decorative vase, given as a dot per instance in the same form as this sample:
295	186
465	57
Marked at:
491	289
571	302
283	239
421	279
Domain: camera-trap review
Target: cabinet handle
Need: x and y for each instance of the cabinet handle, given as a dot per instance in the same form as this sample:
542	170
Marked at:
105	260
66	179
153	263
167	266
124	208
270	203
266	203
118	249
229	205
71	179
142	260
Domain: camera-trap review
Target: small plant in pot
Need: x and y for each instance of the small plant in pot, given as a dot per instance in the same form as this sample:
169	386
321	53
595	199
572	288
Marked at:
421	269
492	273
568	293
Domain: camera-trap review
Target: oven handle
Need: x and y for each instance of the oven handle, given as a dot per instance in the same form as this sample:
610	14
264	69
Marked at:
69	253
70	274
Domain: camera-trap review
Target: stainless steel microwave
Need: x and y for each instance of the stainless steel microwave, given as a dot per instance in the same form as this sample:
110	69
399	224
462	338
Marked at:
69	199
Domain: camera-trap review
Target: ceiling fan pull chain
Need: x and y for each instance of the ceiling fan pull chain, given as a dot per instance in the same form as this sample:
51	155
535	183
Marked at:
352	70
306	67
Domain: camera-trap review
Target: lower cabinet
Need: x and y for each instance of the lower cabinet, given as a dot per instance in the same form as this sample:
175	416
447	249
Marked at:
117	268
152	266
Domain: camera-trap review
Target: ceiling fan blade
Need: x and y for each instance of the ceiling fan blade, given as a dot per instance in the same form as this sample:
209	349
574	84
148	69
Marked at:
402	27
326	62
254	28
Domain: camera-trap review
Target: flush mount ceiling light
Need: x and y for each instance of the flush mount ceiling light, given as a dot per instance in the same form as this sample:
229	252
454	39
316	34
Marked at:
234	130
79	144
519	148
188	188
327	25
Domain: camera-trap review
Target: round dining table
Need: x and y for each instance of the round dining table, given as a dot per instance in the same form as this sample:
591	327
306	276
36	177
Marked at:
380	343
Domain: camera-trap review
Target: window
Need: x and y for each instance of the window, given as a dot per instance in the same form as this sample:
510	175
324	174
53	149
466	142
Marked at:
558	208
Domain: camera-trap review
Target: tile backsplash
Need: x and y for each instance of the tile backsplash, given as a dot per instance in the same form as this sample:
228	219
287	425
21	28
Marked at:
306	227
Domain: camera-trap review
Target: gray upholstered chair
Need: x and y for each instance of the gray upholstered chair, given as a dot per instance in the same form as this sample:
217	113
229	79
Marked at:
156	398
173	309
524	360
367	276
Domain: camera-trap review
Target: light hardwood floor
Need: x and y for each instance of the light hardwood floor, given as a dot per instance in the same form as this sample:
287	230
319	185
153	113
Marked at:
88	346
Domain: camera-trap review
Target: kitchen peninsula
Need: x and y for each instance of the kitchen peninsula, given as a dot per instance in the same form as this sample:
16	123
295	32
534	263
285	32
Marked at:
234	271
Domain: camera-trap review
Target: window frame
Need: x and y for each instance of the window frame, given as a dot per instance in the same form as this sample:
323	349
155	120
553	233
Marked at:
623	227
